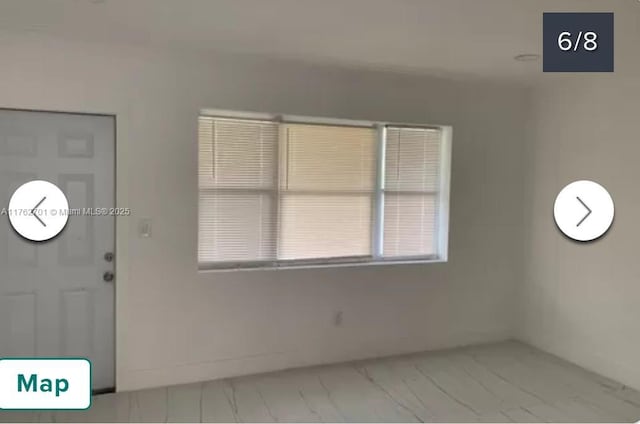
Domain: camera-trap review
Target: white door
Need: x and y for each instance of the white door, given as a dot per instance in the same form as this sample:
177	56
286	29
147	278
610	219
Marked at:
54	300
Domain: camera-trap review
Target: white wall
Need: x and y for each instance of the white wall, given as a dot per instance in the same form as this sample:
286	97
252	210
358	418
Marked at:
178	325
581	301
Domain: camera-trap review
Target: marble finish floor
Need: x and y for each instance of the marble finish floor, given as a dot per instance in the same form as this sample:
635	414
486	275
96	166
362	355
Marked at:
503	382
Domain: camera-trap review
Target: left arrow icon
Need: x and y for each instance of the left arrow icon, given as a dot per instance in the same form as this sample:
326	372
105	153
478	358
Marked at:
35	209
46	219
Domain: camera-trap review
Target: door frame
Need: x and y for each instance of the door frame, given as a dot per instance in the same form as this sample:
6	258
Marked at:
122	223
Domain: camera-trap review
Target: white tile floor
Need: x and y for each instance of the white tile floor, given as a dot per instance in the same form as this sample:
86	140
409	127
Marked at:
504	382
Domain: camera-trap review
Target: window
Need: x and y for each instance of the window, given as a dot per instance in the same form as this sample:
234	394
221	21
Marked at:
299	191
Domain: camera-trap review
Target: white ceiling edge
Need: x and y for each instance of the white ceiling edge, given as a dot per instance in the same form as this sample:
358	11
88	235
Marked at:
465	40
213	56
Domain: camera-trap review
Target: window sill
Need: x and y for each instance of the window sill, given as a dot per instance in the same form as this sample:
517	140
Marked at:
260	266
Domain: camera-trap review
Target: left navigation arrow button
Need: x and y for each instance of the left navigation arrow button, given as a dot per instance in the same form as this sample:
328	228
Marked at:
35	211
51	210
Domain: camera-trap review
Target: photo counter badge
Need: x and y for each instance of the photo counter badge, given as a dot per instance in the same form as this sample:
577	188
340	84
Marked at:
583	210
38	210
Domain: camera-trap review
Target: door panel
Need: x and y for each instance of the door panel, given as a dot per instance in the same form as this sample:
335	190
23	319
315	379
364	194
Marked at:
17	321
53	300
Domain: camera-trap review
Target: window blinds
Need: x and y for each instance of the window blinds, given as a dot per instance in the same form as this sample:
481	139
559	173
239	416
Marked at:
237	182
271	192
411	191
327	188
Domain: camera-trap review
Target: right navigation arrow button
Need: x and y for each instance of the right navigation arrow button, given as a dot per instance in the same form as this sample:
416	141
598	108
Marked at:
588	211
583	210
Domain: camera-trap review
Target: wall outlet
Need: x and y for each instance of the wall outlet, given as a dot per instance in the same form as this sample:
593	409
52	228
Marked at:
337	319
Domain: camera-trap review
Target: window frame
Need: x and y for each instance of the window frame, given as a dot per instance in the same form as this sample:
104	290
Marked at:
377	230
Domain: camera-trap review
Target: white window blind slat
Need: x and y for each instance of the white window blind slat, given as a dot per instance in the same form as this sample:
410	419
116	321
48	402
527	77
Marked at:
412	159
237	185
329	158
237	153
324	226
327	190
409	225
412	185
236	227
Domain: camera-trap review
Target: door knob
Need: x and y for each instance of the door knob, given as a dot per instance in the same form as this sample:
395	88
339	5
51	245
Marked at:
108	276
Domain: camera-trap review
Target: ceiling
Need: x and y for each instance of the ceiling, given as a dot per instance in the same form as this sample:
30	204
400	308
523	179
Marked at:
469	38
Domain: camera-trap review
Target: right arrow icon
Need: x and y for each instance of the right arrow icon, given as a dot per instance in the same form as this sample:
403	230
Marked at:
588	211
571	210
